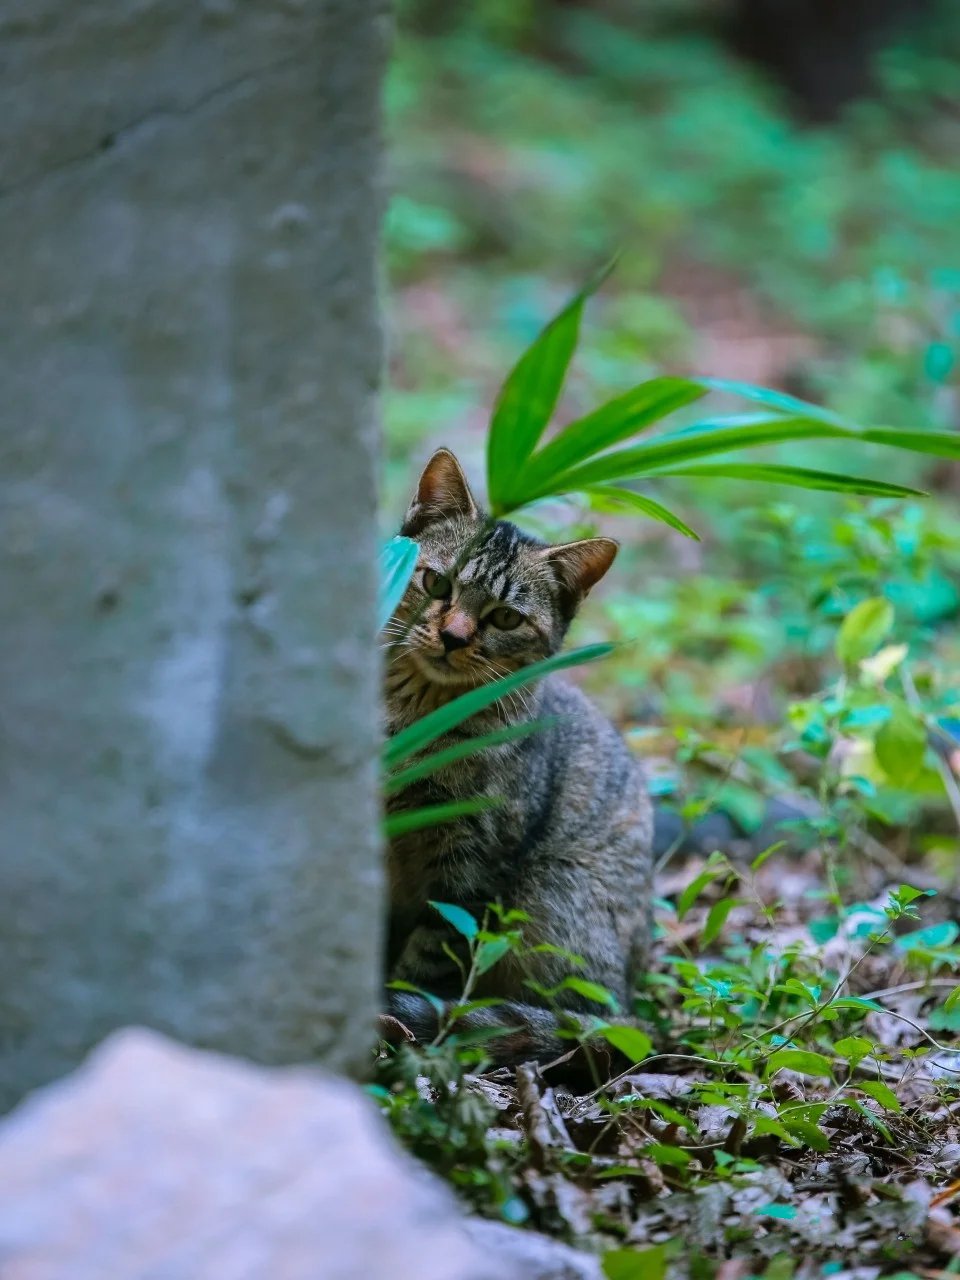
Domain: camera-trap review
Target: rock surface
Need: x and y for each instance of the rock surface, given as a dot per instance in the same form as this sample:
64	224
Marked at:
189	355
159	1162
528	1255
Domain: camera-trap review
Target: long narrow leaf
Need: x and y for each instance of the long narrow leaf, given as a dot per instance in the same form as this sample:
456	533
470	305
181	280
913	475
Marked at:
529	396
773	399
615	421
431	815
398	559
714	437
799	477
462	751
614	496
942	444
435	724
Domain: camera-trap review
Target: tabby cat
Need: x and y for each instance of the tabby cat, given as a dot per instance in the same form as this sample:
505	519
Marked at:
570	842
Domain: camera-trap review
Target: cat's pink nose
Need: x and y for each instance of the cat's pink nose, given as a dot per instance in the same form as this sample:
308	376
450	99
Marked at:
457	631
453	640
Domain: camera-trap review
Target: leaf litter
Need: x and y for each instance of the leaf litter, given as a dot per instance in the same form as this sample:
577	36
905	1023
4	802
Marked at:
827	1165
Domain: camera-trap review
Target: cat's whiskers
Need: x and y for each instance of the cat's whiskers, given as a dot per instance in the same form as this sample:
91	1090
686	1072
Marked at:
523	699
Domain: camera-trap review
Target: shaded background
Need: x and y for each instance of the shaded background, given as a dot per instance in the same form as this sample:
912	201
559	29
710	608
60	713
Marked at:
781	180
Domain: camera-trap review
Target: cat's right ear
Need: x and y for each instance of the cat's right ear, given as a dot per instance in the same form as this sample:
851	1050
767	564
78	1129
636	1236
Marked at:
442	493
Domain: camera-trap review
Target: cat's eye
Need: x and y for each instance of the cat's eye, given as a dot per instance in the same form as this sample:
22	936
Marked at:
505	618
437	585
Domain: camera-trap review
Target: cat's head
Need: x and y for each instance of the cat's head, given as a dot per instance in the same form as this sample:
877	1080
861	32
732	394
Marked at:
485	598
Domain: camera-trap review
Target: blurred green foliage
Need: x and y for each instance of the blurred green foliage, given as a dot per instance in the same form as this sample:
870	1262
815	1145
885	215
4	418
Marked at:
807	651
528	140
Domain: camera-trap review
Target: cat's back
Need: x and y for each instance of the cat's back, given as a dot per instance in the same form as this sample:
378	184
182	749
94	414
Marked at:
600	790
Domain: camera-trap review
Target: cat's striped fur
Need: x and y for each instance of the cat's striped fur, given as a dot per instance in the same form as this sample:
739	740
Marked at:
570	842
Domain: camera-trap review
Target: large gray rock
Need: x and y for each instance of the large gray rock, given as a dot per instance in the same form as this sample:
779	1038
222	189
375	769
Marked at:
157	1162
189	356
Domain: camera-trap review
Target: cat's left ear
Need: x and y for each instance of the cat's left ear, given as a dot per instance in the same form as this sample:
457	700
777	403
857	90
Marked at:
579	566
442	493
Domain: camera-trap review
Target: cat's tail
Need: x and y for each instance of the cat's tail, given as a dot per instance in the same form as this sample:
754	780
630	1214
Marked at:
525	1032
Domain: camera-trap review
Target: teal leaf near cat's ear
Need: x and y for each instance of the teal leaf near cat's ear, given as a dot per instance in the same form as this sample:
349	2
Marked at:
398	559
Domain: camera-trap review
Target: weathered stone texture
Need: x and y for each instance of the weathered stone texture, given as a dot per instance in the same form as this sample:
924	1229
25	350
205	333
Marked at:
189	356
157	1162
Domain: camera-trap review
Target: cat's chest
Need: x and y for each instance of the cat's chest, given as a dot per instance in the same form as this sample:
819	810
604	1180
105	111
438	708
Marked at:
442	856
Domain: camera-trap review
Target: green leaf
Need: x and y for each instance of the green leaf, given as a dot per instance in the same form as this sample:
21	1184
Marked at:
907	894
480	1035
615	421
635	1264
824	929
434	1001
432	815
943	934
590	991
803	1060
436	723
855	1002
944	1020
633	1044
869	1115
901	744
795	987
853	1049
881	1093
785	1211
398	559
942	444
456	1011
461	920
796	477
490	951
716	919
701	440
763	1125
771	399
660	1108
528	398
864	628
952	1001
664	1153
809	1134
462	751
647	506
693	890
764	854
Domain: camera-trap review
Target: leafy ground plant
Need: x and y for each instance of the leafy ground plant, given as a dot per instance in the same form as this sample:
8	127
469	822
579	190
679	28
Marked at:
786	1096
782	1104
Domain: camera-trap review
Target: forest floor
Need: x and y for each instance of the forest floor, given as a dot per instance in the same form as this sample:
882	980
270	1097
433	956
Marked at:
795	1107
837	1153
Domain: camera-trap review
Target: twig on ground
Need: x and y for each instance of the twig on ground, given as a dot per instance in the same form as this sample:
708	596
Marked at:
536	1126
